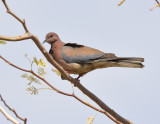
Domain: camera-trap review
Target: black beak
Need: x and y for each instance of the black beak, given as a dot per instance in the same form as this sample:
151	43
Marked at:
44	41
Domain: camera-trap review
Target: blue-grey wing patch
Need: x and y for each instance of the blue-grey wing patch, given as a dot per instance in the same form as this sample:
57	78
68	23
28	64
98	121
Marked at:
80	55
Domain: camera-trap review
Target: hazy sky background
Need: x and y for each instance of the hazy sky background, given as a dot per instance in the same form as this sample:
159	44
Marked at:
131	30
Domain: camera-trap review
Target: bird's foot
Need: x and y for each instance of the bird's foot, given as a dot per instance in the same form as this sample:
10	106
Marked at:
77	80
80	75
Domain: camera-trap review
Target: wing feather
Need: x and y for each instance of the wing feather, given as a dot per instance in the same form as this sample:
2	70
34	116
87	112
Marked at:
74	53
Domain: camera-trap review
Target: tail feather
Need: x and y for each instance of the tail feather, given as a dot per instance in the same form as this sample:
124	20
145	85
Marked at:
129	64
132	62
131	59
110	60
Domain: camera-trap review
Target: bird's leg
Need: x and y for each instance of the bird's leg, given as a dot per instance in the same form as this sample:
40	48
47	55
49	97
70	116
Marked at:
80	75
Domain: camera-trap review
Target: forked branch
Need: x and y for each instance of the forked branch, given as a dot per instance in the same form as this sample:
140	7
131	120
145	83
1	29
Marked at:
157	5
58	91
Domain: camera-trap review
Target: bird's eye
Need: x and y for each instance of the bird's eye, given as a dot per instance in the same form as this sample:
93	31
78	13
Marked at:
51	36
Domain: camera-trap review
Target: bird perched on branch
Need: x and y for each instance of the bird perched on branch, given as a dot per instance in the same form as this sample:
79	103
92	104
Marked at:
80	59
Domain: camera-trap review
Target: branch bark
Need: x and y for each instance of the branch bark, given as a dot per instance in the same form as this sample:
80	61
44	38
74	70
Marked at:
16	38
157	1
62	71
10	118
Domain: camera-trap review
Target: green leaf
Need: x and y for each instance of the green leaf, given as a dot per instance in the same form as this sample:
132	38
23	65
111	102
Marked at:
40	62
29	83
26	55
41	72
33	79
32	90
3	42
28	89
24	76
35	60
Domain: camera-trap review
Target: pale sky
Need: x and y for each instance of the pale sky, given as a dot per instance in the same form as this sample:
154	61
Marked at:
131	30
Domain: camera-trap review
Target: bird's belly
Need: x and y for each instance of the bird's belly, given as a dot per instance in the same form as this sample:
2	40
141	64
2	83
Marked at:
87	67
75	68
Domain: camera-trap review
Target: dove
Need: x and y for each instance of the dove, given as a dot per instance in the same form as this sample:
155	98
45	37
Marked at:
80	59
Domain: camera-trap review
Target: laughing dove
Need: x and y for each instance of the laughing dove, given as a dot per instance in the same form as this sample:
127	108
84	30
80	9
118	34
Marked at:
80	59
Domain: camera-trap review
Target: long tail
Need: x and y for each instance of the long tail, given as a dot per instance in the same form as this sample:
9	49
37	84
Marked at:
132	62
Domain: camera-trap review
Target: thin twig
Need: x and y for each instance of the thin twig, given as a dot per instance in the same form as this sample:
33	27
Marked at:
13	110
20	20
121	2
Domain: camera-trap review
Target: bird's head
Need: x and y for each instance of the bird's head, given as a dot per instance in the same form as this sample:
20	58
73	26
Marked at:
51	38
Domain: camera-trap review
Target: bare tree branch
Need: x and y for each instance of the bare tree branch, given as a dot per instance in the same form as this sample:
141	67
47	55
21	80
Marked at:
63	72
17	38
13	110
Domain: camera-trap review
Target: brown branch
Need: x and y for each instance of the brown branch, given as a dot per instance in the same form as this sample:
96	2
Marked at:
9	117
20	20
58	91
14	65
17	38
157	1
64	74
97	109
121	2
13	110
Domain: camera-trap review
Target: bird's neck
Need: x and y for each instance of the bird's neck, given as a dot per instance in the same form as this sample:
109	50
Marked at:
57	44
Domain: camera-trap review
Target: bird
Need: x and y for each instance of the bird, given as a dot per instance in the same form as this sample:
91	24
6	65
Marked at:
80	59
